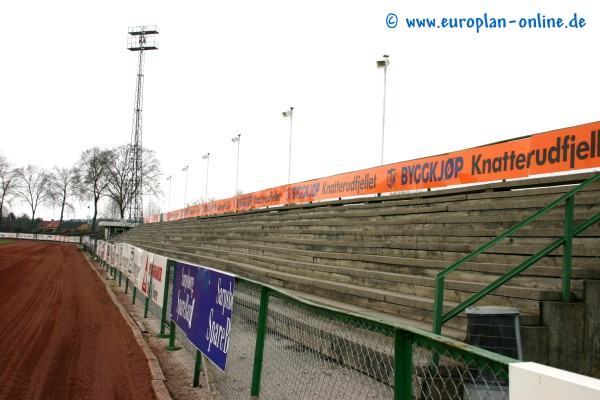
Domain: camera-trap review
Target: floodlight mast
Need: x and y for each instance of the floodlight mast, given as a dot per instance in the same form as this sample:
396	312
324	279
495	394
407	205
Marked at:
140	39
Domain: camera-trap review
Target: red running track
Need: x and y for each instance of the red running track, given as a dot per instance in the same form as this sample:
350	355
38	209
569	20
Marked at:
61	335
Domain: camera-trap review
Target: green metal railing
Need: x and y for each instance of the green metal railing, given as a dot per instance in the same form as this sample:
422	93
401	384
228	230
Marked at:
283	346
566	241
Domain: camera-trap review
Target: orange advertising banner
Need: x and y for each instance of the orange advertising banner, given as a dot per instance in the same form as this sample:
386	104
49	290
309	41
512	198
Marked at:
567	149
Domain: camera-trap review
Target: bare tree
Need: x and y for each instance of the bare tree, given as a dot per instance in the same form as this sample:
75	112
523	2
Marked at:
64	183
110	210
151	208
34	187
121	186
152	175
92	176
8	184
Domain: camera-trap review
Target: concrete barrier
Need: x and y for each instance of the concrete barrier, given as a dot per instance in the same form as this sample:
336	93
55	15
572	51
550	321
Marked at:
529	380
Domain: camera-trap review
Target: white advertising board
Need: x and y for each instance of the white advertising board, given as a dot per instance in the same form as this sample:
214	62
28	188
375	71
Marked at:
159	271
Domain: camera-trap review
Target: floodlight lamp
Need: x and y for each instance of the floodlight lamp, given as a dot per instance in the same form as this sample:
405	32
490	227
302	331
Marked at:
383	63
235	139
287	113
204	157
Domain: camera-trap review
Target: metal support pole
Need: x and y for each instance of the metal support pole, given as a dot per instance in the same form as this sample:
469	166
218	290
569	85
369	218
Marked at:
185	187
568	249
197	367
171	346
290	151
237	168
169	204
261	331
148	292
163	316
402	365
207	169
438	305
383	122
146	305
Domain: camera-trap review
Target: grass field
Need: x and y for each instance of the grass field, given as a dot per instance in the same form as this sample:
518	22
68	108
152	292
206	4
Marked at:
5	241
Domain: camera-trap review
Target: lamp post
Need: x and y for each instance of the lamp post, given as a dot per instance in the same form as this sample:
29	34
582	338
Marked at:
383	64
289	113
185	169
237	139
169	206
207	158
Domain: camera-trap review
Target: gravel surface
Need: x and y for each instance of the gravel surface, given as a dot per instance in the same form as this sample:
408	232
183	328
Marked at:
61	336
177	366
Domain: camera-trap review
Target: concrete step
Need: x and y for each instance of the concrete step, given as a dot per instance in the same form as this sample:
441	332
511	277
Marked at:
550	283
478	235
384	210
390	258
381	254
430	239
435	247
526	298
359	256
406	306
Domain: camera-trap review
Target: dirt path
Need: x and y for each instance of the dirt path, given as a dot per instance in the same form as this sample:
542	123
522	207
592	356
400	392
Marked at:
61	336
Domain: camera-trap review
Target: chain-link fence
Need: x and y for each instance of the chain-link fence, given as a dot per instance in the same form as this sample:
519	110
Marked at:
306	351
283	347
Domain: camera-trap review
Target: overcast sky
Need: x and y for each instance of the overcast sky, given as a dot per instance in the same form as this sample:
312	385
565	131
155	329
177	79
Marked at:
223	68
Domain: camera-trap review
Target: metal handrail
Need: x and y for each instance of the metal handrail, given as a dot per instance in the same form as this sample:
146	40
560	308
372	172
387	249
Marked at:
566	240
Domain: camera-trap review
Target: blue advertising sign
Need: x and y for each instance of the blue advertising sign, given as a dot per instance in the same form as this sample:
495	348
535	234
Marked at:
202	306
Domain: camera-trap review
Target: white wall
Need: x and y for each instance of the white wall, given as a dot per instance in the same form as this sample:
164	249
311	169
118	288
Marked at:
529	381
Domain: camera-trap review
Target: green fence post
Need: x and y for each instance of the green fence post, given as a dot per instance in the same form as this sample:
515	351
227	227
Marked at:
568	249
120	274
163	315
148	294
134	293
438	310
402	365
146	305
126	284
171	346
261	332
197	367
